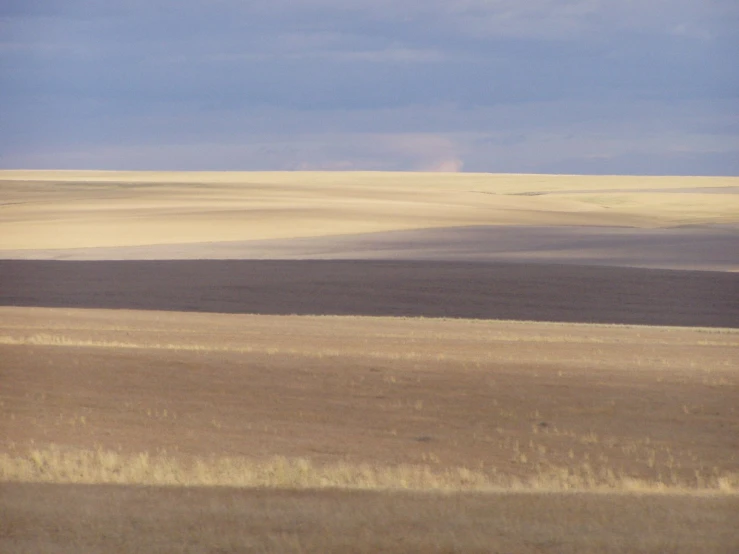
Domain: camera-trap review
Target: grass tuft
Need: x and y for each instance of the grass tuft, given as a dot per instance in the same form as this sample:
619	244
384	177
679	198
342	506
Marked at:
54	464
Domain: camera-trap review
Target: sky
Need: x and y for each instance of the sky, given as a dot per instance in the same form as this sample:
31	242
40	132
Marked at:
502	86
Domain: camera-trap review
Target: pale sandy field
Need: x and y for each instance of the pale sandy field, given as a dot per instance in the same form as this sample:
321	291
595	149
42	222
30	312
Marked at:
570	387
62	210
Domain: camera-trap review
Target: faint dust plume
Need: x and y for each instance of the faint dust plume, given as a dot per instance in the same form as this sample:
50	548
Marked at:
447	166
427	152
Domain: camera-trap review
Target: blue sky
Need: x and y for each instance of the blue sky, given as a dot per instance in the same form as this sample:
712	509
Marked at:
543	86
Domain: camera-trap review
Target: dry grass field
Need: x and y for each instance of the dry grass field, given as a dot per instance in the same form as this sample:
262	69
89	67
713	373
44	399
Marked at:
308	407
62	210
628	434
553	405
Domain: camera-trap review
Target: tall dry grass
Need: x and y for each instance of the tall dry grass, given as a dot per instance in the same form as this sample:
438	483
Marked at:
54	464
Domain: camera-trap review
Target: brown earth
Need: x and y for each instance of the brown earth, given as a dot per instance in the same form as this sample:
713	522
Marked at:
605	405
378	390
381	288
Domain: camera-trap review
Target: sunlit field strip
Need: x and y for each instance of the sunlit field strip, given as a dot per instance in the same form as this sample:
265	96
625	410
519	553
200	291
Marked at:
46	339
53	464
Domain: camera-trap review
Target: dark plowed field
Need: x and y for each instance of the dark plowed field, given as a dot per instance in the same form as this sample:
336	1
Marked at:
433	289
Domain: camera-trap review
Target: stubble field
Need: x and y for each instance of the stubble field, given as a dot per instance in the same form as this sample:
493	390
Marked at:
308	408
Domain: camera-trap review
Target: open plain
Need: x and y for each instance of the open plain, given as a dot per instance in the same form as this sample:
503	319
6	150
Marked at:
340	362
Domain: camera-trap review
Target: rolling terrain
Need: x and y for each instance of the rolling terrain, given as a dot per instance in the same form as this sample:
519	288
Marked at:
333	362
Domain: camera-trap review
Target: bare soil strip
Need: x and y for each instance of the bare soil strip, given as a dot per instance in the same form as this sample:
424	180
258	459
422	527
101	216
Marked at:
431	289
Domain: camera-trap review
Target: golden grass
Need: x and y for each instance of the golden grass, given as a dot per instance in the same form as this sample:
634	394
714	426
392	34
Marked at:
408	354
50	210
68	326
52	464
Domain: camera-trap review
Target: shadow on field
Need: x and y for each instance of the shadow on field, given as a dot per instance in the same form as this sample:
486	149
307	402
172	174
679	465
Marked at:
431	289
54	518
